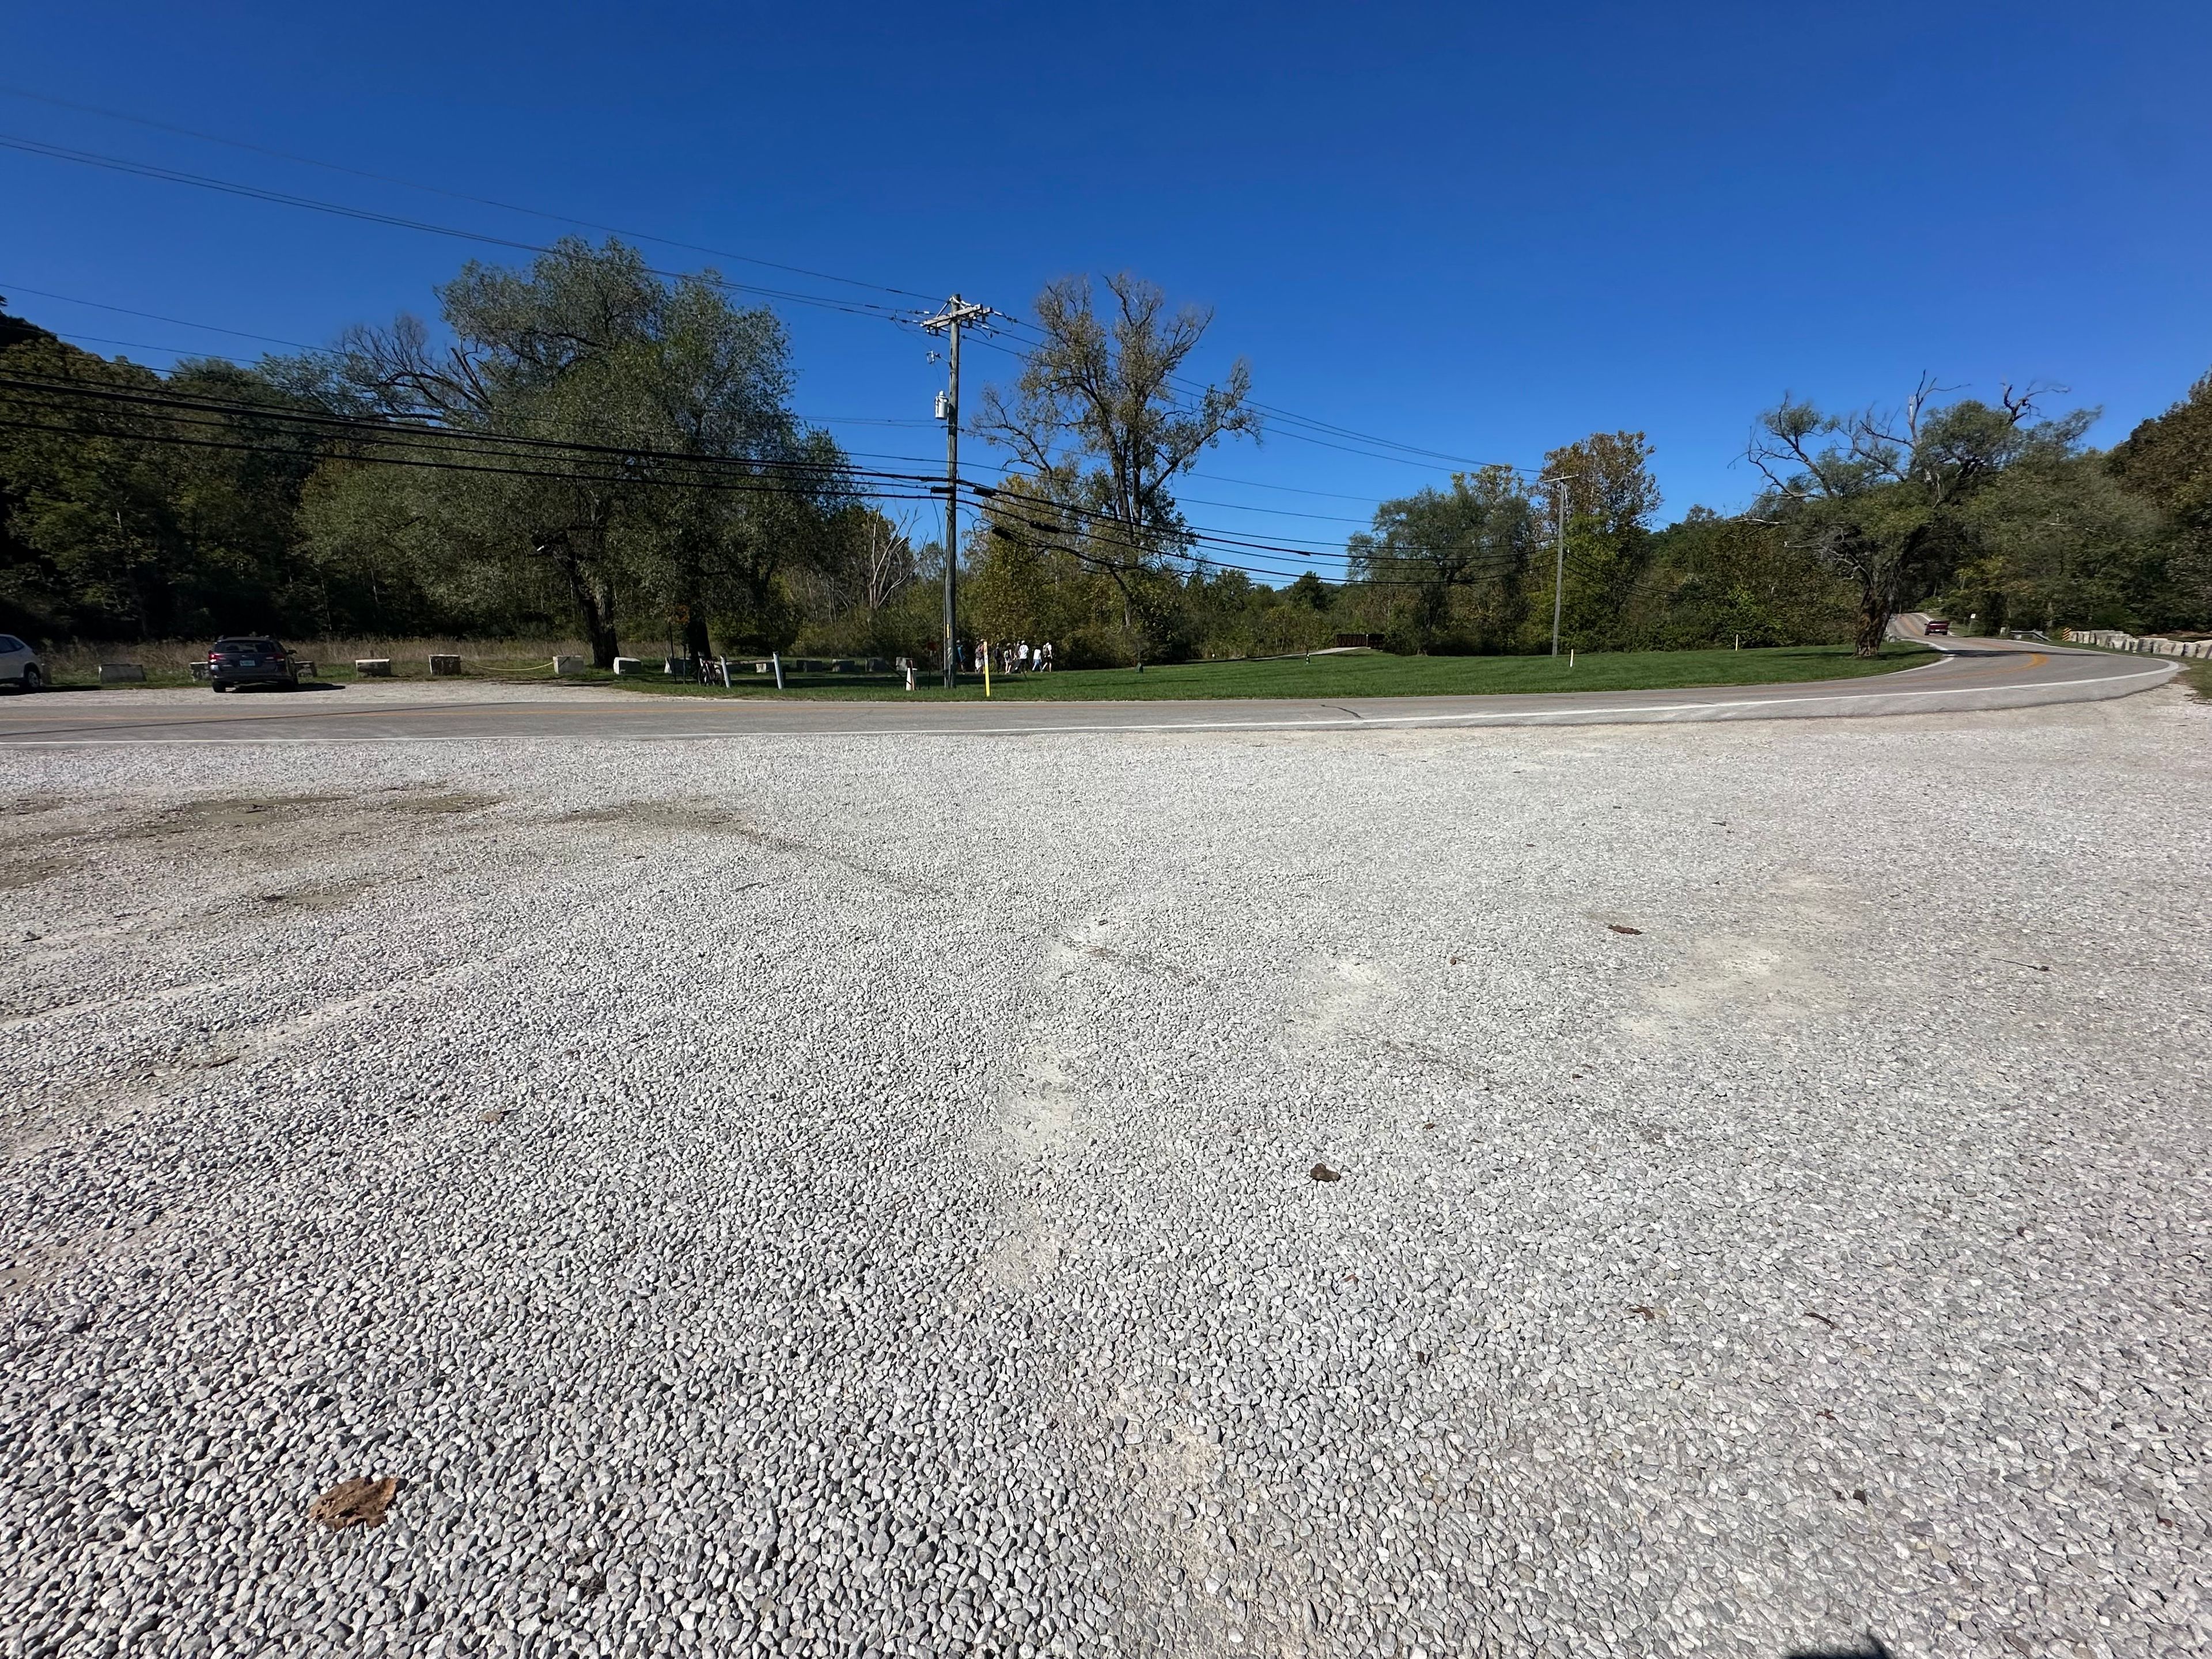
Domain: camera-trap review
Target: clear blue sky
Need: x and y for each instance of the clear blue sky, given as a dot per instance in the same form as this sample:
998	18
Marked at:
1481	230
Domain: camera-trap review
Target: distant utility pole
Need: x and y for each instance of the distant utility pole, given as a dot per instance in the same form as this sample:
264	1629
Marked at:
1559	565
947	322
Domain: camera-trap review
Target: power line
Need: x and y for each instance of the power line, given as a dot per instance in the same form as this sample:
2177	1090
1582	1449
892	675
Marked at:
135	345
439	450
1237	551
376	456
1410	455
1200	534
1426	456
1280	413
284	199
13	289
384	429
454	195
1020	509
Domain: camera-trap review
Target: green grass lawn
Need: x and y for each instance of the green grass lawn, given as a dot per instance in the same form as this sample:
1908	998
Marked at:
1353	674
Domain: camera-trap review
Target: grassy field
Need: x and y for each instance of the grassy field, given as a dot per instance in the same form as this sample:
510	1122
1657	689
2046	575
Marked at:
1352	674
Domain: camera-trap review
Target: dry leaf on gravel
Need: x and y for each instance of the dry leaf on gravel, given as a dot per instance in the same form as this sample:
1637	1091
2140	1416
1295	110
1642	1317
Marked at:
360	1501
494	1115
1618	928
1322	1172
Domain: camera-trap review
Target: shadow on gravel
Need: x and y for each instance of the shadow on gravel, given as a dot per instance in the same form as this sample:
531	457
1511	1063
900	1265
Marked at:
1872	1648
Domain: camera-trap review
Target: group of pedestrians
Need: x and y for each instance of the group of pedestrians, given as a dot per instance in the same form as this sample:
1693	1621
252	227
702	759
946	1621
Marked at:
1020	658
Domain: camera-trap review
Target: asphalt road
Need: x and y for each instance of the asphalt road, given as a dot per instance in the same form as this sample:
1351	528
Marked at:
1975	674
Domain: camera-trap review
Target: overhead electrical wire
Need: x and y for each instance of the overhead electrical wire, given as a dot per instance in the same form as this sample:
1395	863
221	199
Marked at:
378	427
373	456
368	215
1410	455
1300	436
381	433
456	194
13	289
1426	458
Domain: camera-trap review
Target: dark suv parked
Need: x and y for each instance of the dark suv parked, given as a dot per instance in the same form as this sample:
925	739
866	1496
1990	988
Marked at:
250	659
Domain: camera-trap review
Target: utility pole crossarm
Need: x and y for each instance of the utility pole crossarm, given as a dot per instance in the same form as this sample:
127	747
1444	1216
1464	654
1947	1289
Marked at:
948	322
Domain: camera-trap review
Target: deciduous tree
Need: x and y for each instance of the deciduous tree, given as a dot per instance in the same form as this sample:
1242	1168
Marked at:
1876	493
1102	423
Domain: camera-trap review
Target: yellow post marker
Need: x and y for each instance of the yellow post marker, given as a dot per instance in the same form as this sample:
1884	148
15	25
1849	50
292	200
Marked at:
984	650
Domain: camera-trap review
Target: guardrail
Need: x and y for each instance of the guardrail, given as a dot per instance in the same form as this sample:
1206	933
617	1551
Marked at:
2148	645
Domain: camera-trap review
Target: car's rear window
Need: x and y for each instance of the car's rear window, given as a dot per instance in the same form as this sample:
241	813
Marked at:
246	645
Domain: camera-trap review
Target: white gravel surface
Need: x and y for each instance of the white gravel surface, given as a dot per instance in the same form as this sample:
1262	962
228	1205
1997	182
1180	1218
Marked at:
899	1238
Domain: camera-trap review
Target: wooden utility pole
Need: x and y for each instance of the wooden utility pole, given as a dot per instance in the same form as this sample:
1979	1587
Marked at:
947	322
1559	558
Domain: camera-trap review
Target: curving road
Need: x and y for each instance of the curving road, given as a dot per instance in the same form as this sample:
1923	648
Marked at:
1973	674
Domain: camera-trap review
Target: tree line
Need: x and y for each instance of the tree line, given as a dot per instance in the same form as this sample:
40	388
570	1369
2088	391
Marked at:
592	448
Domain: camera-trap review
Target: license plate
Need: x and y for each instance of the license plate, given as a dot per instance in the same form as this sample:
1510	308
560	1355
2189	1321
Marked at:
249	662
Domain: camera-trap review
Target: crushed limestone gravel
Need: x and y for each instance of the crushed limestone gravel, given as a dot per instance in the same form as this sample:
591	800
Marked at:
811	1196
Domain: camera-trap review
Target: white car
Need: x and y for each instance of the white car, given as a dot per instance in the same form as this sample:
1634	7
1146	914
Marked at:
20	665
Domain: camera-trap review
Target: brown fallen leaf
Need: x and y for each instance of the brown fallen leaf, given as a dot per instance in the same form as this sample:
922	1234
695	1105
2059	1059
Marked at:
1428	1125
1618	928
1322	1172
1456	961
496	1114
1648	1314
1823	1318
1831	1416
360	1501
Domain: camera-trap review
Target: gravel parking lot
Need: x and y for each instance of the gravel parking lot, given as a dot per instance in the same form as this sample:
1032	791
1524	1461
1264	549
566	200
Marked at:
835	1195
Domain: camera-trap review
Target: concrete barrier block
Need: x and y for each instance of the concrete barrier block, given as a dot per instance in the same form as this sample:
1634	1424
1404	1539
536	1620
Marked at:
440	664
373	668
122	673
200	671
629	664
569	665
